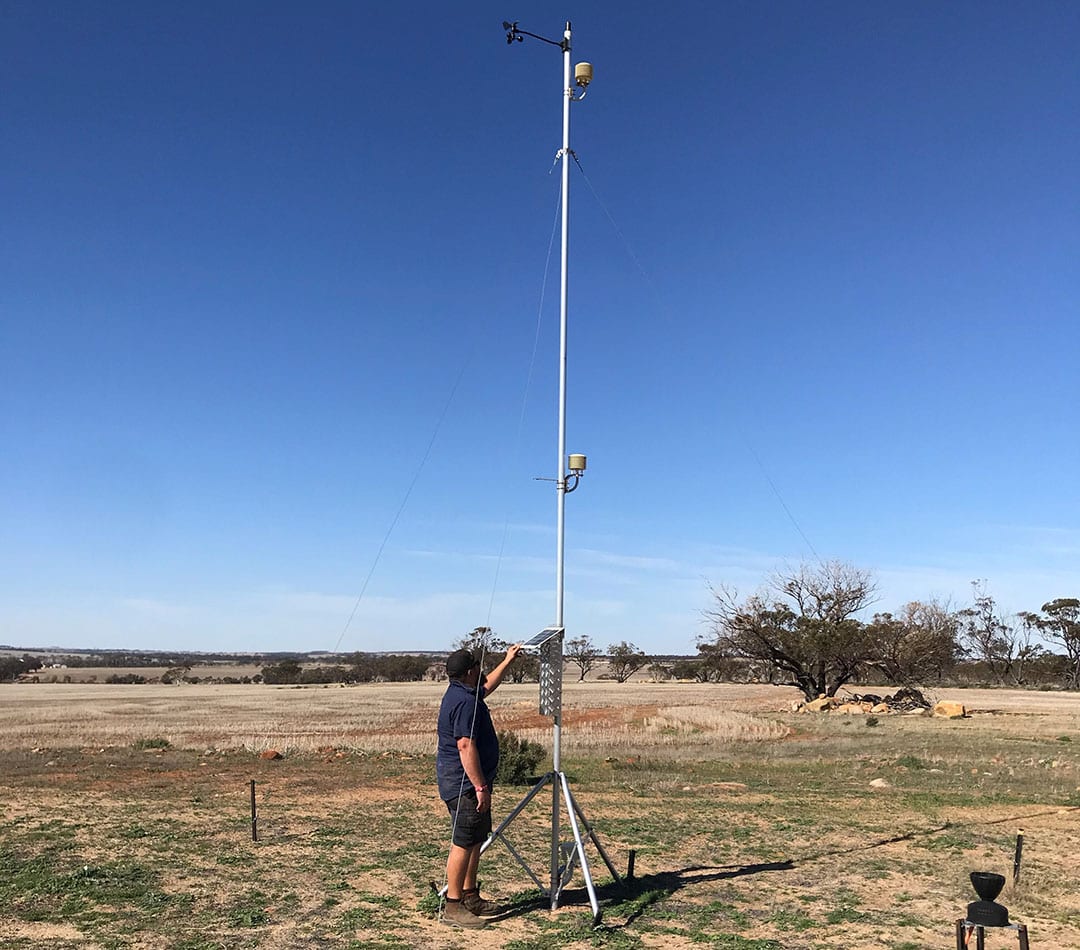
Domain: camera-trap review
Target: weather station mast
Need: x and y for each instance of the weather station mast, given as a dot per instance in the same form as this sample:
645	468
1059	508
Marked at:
565	856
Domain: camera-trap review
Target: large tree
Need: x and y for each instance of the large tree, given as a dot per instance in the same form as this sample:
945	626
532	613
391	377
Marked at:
917	645
480	640
803	625
624	660
583	654
1060	620
998	641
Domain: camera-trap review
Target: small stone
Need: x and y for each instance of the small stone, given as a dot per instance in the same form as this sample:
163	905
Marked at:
879	783
270	754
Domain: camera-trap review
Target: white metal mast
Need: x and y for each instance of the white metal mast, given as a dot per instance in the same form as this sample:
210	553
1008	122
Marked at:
560	531
568	473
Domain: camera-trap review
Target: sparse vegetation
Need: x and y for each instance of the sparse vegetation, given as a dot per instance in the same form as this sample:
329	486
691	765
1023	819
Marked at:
155	742
755	828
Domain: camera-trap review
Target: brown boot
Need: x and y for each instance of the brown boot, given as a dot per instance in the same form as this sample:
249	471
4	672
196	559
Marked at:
456	914
475	903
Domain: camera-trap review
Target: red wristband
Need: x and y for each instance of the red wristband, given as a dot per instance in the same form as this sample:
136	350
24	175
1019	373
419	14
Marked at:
481	788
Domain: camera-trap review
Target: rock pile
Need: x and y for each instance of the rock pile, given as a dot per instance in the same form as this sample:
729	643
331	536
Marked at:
905	700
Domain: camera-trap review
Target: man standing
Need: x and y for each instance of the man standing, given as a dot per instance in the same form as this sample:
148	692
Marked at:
466	763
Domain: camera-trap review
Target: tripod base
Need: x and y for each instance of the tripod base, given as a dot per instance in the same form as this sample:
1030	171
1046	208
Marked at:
565	855
966	929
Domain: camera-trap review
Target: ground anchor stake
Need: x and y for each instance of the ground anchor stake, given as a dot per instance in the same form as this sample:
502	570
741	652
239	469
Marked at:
254	817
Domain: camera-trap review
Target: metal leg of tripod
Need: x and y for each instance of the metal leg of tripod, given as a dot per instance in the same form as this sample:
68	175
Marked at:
518	809
571	811
592	834
497	834
571	854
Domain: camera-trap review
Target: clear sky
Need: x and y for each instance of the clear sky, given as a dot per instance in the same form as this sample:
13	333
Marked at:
279	326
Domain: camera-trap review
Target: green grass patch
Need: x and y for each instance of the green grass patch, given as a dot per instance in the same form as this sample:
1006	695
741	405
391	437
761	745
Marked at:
736	942
154	743
912	762
791	920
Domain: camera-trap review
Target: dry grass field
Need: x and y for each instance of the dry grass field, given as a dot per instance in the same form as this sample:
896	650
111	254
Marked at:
125	819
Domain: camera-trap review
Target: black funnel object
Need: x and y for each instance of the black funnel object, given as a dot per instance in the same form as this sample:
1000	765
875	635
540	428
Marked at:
985	911
987	885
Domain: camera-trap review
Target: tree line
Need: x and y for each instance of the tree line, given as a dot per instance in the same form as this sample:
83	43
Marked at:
621	660
358	668
803	629
122	659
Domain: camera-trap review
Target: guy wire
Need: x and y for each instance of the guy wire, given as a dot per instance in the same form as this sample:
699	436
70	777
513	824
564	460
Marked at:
525	398
404	500
506	522
431	444
667	312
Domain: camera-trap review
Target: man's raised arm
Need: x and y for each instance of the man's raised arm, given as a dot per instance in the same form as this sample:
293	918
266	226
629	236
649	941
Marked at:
495	677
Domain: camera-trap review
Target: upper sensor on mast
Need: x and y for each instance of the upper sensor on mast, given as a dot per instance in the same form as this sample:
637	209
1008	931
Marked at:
583	74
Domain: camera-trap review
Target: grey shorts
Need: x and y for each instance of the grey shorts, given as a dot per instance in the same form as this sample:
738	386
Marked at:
470	826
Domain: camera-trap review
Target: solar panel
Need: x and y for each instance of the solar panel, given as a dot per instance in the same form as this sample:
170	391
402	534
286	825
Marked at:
542	637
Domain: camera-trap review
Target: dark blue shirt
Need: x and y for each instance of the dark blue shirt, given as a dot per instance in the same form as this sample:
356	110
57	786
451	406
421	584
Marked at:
463	713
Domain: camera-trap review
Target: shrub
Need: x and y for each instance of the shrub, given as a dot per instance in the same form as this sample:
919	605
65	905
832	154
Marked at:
518	759
154	743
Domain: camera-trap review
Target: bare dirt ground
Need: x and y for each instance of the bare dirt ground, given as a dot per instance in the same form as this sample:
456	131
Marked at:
755	827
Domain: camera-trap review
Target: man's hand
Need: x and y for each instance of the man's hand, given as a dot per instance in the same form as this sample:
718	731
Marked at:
512	652
483	800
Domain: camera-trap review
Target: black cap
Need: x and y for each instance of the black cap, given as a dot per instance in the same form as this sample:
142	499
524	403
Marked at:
460	662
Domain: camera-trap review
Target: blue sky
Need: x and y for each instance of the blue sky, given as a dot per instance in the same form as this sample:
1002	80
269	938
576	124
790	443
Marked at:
279	326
